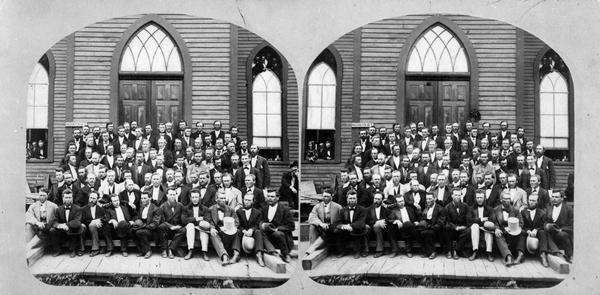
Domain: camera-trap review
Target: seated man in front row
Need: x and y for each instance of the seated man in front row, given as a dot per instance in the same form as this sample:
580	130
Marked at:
146	225
92	218
478	216
277	226
509	239
403	220
376	221
40	217
456	232
351	226
195	219
223	241
66	225
560	227
117	222
250	219
321	218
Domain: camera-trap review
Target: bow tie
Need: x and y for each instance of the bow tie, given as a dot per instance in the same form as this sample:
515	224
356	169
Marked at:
351	208
202	186
219	209
272	206
68	208
505	209
196	205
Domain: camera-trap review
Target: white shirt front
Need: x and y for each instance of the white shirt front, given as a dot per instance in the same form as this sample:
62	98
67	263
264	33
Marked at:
196	209
93	211
430	212
248	212
404	215
532	214
145	212
271	212
120	216
440	194
480	212
377	212
155	192
505	215
556	212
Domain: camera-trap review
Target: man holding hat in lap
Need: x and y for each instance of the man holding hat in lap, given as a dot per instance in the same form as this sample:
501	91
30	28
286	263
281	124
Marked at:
277	226
456	232
560	226
145	225
250	235
194	218
66	225
508	230
480	217
118	221
223	230
534	220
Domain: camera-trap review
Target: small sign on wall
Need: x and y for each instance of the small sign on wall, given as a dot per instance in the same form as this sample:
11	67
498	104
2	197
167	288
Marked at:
361	124
75	124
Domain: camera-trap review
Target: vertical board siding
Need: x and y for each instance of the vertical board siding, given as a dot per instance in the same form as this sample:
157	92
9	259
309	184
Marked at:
531	48
292	119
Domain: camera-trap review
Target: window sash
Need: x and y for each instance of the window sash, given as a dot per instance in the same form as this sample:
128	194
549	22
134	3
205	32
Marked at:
151	50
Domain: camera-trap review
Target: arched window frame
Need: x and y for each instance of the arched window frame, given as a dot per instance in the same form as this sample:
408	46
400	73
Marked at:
50	67
283	81
402	107
537	81
186	64
338	94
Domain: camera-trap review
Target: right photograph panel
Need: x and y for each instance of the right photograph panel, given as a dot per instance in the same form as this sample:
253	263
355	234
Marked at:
437	152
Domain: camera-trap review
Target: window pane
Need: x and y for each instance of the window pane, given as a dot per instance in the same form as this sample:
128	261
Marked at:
274	103
561	125
546	104
547	142
274	125
31	95
438	50
414	62
314	95
273	142
328	119
151	50
30	117
561	143
561	104
259	103
259	125
313	118
329	78
560	84
461	65
445	62
41	117
547	123
316	74
329	96
429	63
260	141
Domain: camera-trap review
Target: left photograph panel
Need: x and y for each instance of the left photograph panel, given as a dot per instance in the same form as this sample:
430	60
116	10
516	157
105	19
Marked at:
162	152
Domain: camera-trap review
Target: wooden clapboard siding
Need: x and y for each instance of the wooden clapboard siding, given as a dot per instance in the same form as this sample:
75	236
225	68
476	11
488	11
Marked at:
208	42
563	169
292	119
345	47
247	41
321	175
531	47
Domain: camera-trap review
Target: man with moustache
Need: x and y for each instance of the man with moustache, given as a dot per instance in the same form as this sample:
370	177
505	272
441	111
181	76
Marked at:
40	217
171	212
278	225
478	215
456	230
66	226
117	222
249	227
92	219
376	221
560	227
431	225
322	217
351	228
534	221
508	242
224	243
546	164
402	221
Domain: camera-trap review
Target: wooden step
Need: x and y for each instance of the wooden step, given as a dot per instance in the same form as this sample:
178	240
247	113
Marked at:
275	263
558	264
311	260
33	255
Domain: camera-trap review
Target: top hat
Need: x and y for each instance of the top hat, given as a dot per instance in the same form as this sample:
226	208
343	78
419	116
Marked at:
489	227
513	227
203	225
532	244
229	225
248	244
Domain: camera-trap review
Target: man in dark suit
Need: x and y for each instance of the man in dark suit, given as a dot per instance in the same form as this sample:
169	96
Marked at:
456	230
508	242
476	217
560	227
92	217
377	221
249	187
402	220
277	225
83	193
245	170
544	201
130	197
534	220
223	240
194	217
250	219
217	132
170	211
117	222
415	197
157	191
66	226
289	186
546	164
431	225
441	193
120	139
139	169
207	192
351	226
262	165
183	190
503	133
145	225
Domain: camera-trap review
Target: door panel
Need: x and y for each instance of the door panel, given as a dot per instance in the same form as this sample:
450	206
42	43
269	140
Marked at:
167	96
133	97
438	102
453	100
421	95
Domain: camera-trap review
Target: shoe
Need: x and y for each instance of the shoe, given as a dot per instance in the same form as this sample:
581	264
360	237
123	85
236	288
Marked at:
189	255
568	258
473	256
519	258
364	254
454	255
449	255
109	253
394	254
102	250
180	252
94	253
80	253
164	254
378	254
341	254
287	258
490	257
236	257
57	253
544	259
409	254
260	260
148	254
432	256
205	256
356	255
170	254
124	253
73	254
224	260
509	261
140	254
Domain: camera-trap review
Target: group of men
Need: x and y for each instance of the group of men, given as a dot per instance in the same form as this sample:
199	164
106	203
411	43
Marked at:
172	186
462	188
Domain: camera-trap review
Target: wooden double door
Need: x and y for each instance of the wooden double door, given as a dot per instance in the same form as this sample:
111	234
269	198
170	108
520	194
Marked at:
437	102
150	101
